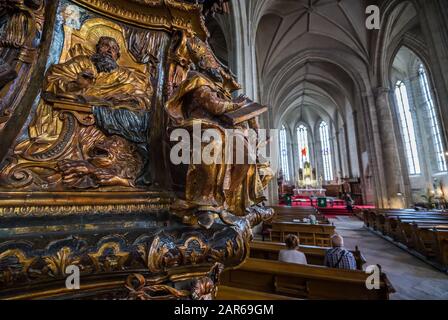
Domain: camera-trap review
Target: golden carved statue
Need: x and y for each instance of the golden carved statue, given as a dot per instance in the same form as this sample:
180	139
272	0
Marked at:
202	98
91	112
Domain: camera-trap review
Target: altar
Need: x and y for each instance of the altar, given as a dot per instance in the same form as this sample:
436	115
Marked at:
310	192
307	183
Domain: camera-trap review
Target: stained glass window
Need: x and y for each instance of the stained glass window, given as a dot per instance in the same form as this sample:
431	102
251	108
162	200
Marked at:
284	153
433	120
302	139
407	128
326	151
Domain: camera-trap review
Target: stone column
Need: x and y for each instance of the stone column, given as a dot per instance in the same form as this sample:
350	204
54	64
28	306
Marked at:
336	158
373	146
244	62
396	179
347	147
338	141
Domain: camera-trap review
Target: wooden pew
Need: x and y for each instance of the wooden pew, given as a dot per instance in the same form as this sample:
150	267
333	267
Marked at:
286	209
314	255
304	281
230	293
425	232
380	219
441	239
384	220
404	230
392	221
309	234
429	241
373	218
288	214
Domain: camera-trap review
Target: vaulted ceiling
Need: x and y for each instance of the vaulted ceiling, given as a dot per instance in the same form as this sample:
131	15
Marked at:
320	36
289	27
318	53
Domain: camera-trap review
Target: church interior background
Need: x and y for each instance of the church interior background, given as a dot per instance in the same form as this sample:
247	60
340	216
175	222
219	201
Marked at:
92	90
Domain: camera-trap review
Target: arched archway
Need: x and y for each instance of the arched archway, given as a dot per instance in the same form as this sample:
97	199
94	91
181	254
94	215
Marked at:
416	110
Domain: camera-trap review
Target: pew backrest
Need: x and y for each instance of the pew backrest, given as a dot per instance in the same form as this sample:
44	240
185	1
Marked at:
315	255
304	281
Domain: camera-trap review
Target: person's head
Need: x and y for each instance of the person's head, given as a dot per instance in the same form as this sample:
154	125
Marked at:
107	54
292	241
337	241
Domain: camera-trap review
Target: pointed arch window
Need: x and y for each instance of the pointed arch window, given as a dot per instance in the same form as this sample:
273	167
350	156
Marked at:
433	120
326	151
284	153
302	139
407	128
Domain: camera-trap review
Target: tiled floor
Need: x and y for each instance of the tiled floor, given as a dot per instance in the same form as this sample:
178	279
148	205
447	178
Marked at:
411	277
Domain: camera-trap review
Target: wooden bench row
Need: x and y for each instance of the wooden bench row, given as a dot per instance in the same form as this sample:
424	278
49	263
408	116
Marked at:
309	234
376	219
289	214
426	232
314	255
231	293
303	281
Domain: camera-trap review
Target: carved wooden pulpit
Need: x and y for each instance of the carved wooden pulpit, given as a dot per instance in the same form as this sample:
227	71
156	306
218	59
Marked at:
86	180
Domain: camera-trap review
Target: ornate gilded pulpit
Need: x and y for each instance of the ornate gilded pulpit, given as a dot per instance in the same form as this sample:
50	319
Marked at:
90	91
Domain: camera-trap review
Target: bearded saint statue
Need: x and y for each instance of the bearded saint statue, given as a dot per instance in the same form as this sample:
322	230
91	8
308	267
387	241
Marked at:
120	99
204	97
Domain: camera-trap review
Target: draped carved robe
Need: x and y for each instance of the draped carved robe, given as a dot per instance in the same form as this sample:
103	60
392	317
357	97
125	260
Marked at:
217	186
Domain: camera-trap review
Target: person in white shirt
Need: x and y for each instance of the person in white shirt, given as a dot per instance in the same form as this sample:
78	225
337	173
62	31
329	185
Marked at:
292	254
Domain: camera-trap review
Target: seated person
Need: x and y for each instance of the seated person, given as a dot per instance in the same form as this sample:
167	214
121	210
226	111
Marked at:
292	255
338	256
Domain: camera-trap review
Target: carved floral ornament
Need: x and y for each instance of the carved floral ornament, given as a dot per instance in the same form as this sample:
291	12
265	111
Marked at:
24	262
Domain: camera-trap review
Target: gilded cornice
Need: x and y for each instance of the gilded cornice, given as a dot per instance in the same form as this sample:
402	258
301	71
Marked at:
154	14
40	204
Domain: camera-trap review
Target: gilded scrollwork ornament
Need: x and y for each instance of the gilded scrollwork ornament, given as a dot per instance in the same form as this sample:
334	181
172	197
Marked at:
200	288
138	290
109	257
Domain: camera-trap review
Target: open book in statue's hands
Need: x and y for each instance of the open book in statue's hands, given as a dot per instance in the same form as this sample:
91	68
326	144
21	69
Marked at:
248	111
